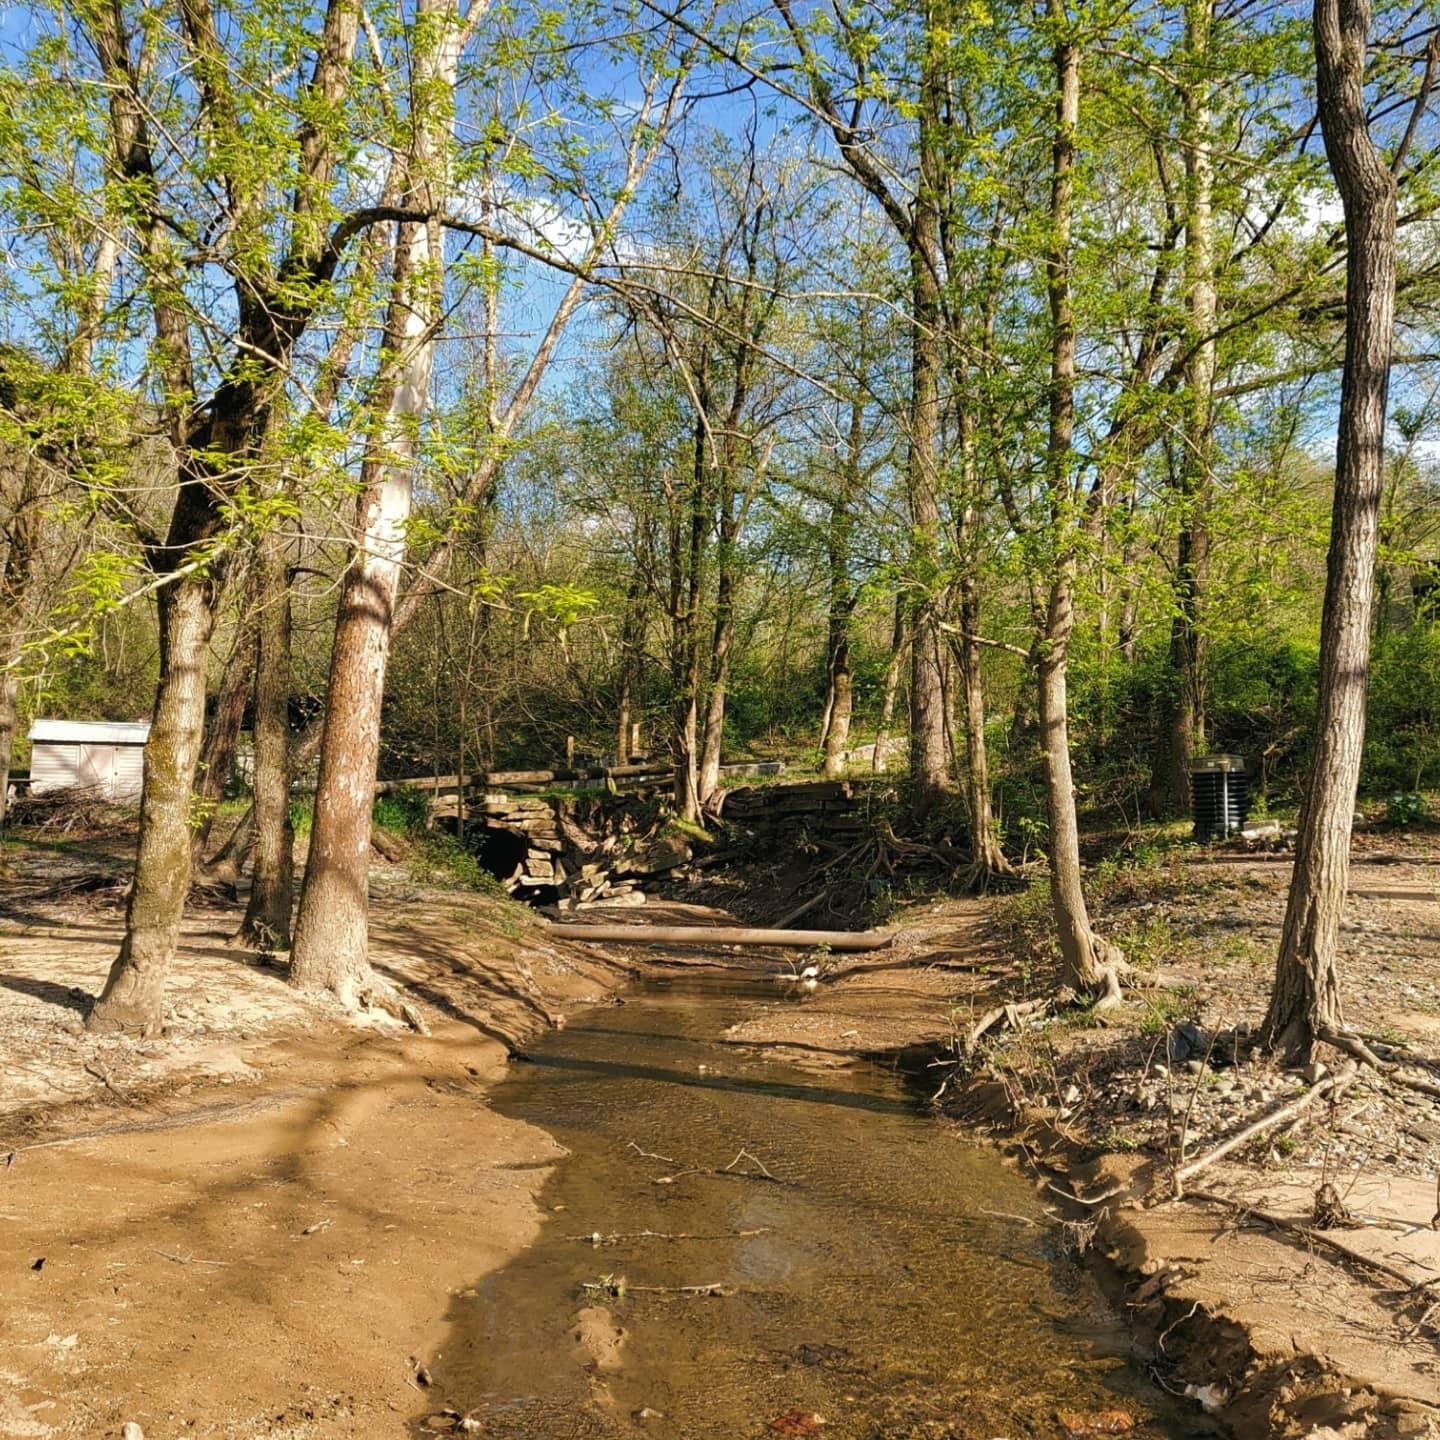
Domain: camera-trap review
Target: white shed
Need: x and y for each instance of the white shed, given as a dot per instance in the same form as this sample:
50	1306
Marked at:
103	756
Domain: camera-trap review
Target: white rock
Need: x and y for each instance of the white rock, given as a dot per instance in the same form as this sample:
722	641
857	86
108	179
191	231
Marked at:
131	1431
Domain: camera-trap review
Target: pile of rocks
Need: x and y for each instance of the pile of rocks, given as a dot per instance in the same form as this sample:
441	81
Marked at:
585	860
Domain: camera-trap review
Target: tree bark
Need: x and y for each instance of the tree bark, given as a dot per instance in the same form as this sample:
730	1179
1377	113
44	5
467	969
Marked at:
1185	732
709	777
21	555
687	551
929	768
899	638
985	843
222	735
267	913
1305	999
841	700
843	596
133	997
1091	965
331	950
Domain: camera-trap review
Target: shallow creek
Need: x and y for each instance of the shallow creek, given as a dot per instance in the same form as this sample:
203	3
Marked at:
885	1279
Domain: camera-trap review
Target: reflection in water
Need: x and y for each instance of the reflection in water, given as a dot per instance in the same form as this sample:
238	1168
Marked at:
866	1283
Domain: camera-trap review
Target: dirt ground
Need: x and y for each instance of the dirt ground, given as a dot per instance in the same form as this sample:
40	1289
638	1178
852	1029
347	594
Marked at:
254	1225
250	1226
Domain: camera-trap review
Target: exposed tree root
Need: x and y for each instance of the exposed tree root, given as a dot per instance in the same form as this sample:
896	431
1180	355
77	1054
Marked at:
1013	1015
1109	970
377	994
1351	1044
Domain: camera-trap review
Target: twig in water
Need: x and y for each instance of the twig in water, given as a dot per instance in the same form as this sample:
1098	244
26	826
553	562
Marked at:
1007	1215
746	1155
650	1155
762	1173
717	1289
618	1289
596	1238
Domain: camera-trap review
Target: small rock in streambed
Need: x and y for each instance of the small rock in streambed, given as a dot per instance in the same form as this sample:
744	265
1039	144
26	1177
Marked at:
131	1431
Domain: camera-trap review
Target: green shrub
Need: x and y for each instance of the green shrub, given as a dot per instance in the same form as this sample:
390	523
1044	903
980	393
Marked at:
1402	737
1405	808
404	811
443	861
302	812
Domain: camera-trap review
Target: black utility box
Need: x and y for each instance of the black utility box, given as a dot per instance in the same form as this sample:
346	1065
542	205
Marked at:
1219	795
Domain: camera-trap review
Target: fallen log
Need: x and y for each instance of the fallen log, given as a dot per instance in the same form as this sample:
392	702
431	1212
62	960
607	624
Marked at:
712	935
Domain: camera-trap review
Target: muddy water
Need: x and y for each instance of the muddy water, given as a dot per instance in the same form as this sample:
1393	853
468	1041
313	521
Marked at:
865	1283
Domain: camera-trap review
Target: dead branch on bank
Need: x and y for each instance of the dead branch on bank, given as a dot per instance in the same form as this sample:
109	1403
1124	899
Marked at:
1285	1115
1349	1043
1013	1013
710	936
1276	1119
1314	1235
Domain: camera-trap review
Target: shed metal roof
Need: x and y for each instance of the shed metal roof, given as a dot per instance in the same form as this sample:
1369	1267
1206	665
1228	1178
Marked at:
91	732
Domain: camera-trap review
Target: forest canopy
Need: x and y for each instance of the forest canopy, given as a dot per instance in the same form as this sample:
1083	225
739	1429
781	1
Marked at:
948	389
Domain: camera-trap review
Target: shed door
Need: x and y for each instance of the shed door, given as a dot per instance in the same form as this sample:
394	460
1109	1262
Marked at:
97	769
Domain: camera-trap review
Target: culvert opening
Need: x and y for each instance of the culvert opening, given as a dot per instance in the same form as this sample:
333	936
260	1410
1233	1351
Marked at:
501	852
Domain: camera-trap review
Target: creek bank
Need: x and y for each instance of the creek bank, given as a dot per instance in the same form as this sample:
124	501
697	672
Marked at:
253	1226
1282	1336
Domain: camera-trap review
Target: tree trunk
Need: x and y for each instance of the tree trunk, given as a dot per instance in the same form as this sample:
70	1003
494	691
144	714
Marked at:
985	843
899	636
1305	1000
929	770
732	520
214	449
841	687
222	736
686	569
709	778
630	644
332	928
1091	965
267	914
20	559
1185	732
133	998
